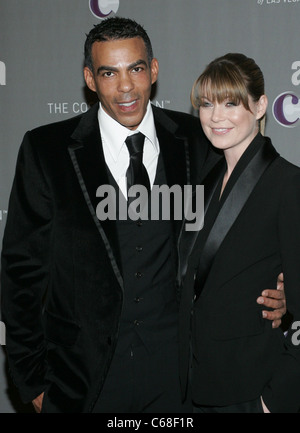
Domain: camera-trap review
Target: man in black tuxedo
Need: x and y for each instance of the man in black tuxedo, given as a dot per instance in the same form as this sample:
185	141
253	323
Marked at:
90	306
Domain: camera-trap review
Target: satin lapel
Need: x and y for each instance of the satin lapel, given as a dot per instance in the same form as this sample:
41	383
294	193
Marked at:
211	181
174	151
232	206
88	160
175	156
188	238
174	148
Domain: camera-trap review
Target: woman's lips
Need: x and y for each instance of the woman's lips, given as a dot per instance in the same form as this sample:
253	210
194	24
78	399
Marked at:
221	131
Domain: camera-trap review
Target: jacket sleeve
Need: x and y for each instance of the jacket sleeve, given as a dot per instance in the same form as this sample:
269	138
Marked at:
24	273
283	392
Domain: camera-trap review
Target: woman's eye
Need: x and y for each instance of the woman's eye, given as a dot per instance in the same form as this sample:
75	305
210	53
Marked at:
205	104
231	104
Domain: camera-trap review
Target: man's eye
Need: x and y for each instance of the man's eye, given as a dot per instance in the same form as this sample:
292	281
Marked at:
137	69
108	74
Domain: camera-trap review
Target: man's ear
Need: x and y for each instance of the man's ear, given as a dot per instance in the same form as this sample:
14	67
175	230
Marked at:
89	79
154	70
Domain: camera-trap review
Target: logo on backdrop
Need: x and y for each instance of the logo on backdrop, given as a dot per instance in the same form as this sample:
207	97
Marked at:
104	8
2	74
276	2
60	108
286	106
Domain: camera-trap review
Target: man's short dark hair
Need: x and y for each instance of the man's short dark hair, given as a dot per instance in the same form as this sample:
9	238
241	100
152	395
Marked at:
115	28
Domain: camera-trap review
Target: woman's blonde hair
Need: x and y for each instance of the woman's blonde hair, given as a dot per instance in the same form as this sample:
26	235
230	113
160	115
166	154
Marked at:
233	76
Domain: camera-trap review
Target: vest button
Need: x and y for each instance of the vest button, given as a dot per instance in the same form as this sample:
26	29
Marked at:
138	275
137	299
139	249
139	223
137	322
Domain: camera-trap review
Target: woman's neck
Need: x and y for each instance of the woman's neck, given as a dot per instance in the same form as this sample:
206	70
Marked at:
232	157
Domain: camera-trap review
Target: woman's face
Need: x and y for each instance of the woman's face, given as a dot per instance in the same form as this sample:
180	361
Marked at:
231	127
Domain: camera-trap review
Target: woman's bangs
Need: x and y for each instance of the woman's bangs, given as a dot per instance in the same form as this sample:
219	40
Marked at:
221	86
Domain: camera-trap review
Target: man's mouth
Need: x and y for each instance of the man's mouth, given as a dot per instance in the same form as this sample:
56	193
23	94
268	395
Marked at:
127	104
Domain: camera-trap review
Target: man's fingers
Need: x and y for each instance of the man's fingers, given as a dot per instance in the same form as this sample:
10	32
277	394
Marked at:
280	283
276	294
272	315
280	277
272	303
275	316
276	323
275	300
38	402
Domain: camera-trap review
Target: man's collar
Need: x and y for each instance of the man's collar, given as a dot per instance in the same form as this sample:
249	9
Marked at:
114	134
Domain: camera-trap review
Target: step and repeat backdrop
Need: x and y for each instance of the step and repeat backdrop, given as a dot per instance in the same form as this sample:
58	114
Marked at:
41	79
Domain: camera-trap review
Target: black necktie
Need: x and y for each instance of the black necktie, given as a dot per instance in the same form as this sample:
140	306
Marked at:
136	173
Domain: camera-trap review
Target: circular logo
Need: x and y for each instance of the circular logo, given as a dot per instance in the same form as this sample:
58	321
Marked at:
286	109
103	8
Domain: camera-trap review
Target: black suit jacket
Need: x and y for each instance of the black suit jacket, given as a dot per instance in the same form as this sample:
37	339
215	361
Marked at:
237	356
62	287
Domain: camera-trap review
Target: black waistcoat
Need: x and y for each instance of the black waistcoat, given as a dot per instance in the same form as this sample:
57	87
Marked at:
150	308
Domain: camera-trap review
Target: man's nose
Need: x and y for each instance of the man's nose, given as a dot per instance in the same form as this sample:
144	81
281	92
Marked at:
125	83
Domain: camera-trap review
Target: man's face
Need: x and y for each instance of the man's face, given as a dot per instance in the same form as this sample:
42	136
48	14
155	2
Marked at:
122	79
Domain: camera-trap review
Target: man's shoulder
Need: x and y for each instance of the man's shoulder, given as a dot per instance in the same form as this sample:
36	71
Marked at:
65	128
186	122
175	114
52	138
59	128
